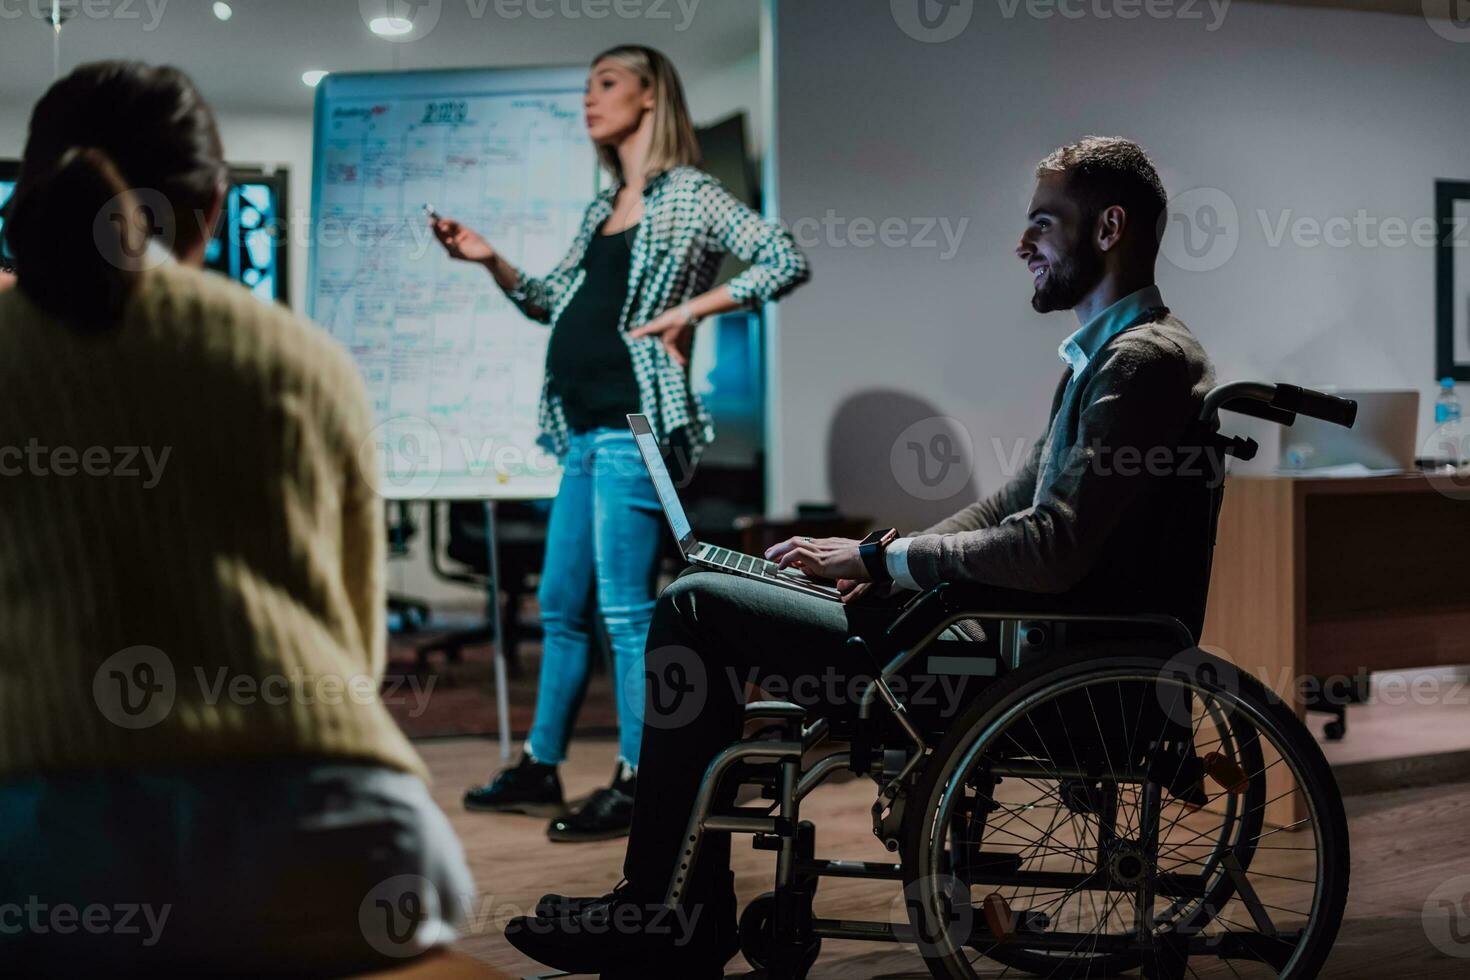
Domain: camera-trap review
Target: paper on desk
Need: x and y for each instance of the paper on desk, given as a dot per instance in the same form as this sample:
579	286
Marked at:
1342	470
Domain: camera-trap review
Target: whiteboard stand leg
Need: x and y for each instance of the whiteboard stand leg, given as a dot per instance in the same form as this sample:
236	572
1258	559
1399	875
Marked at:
502	696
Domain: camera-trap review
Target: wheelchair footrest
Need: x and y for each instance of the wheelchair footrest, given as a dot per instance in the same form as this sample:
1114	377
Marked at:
998	918
1182	774
1219	769
1227	773
1005	924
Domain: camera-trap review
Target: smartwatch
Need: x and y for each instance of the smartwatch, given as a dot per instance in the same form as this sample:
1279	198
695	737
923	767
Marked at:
871	550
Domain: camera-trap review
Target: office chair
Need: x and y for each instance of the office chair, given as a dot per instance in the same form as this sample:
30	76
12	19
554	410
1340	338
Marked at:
405	614
520	539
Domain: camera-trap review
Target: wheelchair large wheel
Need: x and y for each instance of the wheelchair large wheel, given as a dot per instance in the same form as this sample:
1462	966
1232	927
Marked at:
1090	816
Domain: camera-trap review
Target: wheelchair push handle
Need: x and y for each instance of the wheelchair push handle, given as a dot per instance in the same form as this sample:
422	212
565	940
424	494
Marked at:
1279	403
1318	405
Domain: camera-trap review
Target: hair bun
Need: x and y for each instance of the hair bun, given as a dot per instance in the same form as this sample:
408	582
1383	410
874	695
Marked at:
118	153
77	237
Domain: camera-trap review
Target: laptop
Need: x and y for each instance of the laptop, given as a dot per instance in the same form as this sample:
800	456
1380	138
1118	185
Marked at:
1382	440
706	555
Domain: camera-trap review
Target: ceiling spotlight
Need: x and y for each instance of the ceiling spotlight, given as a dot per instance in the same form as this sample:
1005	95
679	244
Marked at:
313	78
223	11
391	26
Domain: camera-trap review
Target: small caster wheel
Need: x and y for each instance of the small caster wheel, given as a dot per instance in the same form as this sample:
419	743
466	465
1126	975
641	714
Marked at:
757	936
1334	731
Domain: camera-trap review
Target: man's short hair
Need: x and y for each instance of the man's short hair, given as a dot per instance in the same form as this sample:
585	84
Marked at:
1105	170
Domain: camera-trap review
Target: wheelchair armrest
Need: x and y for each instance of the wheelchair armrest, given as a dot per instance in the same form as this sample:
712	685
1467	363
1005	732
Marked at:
948	602
921	614
774	710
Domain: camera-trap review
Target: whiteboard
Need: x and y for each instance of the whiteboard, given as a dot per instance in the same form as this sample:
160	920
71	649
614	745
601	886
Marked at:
453	369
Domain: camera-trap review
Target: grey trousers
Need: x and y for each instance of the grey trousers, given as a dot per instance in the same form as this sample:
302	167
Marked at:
285	866
714	636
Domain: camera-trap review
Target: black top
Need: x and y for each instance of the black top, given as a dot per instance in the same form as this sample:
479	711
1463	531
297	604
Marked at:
587	359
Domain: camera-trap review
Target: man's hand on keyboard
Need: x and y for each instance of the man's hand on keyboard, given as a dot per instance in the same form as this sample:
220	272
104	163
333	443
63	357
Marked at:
820	558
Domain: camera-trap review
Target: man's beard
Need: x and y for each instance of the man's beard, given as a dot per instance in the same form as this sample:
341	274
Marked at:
1068	280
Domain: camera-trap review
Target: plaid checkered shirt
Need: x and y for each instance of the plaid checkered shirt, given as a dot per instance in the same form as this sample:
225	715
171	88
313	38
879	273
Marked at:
690	221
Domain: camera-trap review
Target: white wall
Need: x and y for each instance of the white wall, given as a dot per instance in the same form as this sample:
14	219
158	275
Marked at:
1291	111
724	90
13	123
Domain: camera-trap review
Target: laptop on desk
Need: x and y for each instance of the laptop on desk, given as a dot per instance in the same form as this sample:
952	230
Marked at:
1382	441
706	555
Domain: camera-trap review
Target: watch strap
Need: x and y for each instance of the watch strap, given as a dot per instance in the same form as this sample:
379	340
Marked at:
872	552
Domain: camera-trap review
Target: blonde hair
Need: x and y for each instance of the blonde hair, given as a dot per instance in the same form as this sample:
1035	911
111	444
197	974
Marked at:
674	143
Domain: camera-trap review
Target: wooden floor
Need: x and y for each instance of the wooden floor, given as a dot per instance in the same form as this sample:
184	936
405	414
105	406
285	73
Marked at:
1405	844
1396	724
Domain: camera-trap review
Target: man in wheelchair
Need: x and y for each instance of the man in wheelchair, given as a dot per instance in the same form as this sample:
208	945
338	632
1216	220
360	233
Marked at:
1096	516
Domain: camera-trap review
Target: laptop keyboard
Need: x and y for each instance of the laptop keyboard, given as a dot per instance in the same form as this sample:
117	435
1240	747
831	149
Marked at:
735	561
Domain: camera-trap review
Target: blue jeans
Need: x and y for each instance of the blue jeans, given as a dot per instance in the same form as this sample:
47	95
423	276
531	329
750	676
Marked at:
603	540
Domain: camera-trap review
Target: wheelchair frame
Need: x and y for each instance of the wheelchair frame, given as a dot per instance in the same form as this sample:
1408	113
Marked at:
785	834
787	780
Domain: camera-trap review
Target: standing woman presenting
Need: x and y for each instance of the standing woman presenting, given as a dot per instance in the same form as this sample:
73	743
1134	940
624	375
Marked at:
622	306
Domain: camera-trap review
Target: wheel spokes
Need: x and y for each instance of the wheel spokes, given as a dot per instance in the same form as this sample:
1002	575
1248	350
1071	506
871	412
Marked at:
1085	855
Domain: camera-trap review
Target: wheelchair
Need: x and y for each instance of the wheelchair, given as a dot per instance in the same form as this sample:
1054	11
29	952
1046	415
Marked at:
1141	807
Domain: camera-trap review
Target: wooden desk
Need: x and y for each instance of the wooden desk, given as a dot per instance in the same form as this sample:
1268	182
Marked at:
1318	579
1330	577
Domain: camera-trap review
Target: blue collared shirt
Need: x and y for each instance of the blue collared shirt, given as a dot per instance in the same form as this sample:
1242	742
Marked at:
1078	350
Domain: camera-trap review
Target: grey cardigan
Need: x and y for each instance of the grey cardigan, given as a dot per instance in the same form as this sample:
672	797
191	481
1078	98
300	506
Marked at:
1108	505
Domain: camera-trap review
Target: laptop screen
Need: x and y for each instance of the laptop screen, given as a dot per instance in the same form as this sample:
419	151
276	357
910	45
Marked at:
663	484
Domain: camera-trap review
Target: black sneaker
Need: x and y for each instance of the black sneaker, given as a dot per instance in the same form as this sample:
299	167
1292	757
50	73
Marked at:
529	787
607	814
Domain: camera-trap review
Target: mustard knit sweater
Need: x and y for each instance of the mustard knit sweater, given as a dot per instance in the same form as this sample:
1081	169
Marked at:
191	549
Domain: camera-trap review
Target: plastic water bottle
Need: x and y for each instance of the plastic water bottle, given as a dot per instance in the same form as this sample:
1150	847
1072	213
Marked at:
1449	429
1447	406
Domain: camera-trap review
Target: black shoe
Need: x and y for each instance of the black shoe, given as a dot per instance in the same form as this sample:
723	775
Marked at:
622	938
554	906
608	813
527	787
